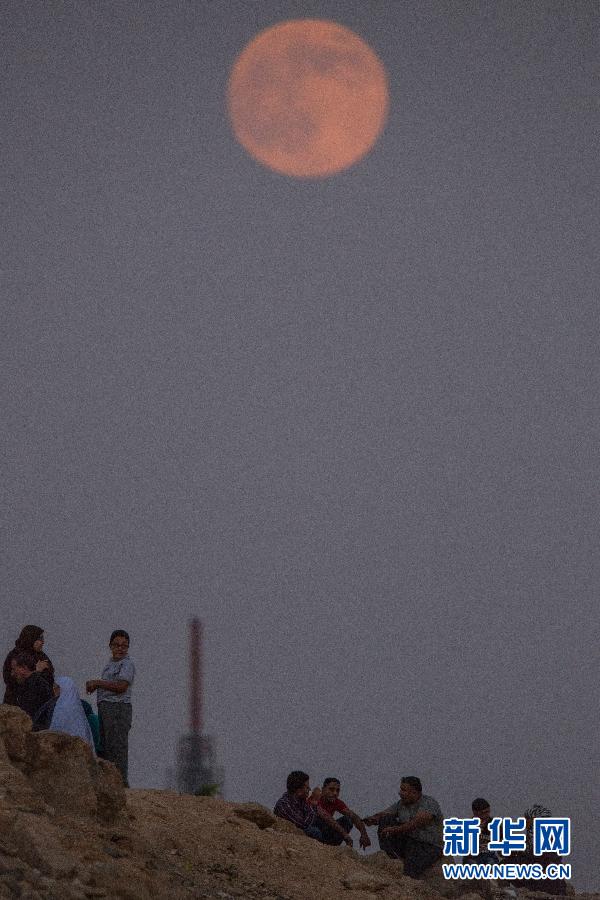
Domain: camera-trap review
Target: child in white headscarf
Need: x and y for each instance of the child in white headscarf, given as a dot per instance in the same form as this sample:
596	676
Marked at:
68	715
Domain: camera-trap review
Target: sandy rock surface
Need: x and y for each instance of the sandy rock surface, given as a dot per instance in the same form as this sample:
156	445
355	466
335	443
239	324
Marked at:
70	831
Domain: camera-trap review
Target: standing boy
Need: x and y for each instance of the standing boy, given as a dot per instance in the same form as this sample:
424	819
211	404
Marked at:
114	702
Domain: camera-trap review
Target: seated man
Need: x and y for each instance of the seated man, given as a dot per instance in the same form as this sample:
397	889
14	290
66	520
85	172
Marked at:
327	800
294	806
497	891
481	810
32	688
411	829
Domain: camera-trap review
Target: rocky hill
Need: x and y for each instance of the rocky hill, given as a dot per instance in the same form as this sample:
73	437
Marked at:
70	831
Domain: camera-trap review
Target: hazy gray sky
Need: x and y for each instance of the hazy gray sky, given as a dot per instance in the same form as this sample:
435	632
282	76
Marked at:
350	423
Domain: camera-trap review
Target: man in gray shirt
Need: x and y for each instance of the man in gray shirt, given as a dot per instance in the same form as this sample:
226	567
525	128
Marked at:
114	702
411	829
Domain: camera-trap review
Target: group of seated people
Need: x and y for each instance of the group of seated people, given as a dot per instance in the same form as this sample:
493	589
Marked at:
410	829
53	703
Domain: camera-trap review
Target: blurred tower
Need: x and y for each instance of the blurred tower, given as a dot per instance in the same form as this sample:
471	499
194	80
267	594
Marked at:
197	769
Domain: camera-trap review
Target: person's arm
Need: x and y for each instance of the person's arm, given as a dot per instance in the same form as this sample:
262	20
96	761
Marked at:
119	684
36	692
329	820
44	667
43	717
7	669
115	687
365	840
374	818
284	811
420	820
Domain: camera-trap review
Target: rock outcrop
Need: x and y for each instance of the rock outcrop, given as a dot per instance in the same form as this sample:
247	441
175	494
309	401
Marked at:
70	831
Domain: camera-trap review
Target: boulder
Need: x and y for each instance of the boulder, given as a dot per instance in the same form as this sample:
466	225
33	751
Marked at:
61	769
38	843
16	792
65	772
48	768
110	791
284	826
15	725
254	812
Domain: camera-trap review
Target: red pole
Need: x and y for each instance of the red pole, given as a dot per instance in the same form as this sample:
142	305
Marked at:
196	676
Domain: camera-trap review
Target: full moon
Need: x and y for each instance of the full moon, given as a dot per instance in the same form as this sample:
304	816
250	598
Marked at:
307	98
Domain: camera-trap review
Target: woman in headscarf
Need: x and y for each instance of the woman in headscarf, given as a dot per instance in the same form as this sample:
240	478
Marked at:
550	886
31	640
67	712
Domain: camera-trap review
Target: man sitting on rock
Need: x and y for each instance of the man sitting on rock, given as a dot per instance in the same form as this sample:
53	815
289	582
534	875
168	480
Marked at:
411	829
294	807
481	810
327	800
32	688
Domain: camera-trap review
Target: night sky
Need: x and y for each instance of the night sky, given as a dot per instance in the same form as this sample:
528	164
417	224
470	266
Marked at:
352	423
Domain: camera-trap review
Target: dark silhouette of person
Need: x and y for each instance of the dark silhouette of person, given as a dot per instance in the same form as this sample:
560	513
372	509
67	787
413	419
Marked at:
31	640
32	689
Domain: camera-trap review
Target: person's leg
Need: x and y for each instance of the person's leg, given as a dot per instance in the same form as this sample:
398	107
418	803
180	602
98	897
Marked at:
419	856
331	836
486	856
313	832
346	823
115	722
101	734
123	747
394	845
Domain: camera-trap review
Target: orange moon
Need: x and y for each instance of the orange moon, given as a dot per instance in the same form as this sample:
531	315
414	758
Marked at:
307	98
